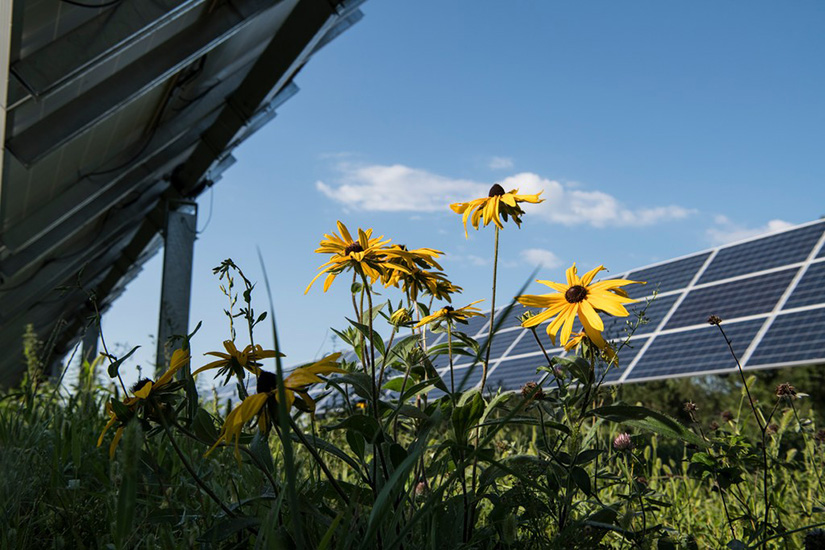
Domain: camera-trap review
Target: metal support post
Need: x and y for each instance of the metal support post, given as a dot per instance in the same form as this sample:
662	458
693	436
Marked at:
179	244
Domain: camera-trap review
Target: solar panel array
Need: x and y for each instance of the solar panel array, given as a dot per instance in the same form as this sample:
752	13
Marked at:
769	291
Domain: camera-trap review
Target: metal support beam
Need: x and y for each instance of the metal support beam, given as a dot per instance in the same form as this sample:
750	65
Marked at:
179	247
133	81
6	15
288	50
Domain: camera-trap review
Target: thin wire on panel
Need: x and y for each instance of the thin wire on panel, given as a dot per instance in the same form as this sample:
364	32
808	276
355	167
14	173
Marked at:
92	6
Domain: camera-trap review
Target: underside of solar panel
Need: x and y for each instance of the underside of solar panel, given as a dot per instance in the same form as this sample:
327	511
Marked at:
110	112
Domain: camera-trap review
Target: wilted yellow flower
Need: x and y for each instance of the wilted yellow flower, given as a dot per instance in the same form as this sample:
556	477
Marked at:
493	207
143	391
297	382
579	297
400	317
235	361
607	351
366	255
448	313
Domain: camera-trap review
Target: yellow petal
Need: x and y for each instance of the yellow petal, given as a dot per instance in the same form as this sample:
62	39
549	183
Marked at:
342	229
588	277
572	278
589	317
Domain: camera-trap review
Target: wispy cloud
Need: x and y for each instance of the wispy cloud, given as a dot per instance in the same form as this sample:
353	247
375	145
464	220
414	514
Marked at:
726	231
500	163
540	257
395	188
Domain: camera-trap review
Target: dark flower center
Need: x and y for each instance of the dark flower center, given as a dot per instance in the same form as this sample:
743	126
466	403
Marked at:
267	382
354	247
575	294
140	383
496	190
449	309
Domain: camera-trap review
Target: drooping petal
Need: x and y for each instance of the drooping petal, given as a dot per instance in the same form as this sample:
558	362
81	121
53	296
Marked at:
588	277
588	316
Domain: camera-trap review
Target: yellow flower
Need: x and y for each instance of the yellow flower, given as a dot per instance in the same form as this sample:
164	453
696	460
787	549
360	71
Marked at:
400	317
449	314
497	204
235	361
607	351
142	390
366	255
419	280
257	405
579	297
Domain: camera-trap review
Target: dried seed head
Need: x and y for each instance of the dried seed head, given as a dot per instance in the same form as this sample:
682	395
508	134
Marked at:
772	428
727	416
785	390
714	425
690	407
531	390
714	320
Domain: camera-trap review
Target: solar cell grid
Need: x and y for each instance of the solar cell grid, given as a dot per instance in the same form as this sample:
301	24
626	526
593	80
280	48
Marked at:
665	277
810	289
474	326
792	337
512	374
764	253
740	298
694	351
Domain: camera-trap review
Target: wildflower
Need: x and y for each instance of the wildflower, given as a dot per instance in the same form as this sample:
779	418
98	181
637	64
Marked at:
496	204
257	405
579	297
714	320
400	317
785	390
418	280
449	314
366	255
234	361
531	390
727	416
143	392
622	442
608	354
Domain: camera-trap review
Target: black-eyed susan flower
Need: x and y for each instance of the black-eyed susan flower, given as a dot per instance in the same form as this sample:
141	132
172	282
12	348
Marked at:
496	206
400	317
235	361
144	392
418	281
263	404
449	314
367	255
579	297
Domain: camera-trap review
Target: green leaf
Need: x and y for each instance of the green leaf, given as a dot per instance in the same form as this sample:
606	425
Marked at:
376	339
114	367
360	382
357	443
581	478
227	527
204	426
467	413
648	420
363	424
127	495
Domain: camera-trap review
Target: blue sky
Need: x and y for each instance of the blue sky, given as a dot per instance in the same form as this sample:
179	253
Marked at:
656	129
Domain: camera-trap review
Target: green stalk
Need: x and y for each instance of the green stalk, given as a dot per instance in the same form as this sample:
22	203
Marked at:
486	364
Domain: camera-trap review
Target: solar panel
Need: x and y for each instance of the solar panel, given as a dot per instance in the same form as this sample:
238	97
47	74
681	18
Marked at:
791	338
763	253
665	277
769	290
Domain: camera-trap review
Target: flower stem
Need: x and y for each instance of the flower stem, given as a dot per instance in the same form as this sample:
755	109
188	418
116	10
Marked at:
191	470
486	364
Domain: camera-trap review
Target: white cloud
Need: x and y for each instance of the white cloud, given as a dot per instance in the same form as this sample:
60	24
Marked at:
399	188
540	257
726	231
500	163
